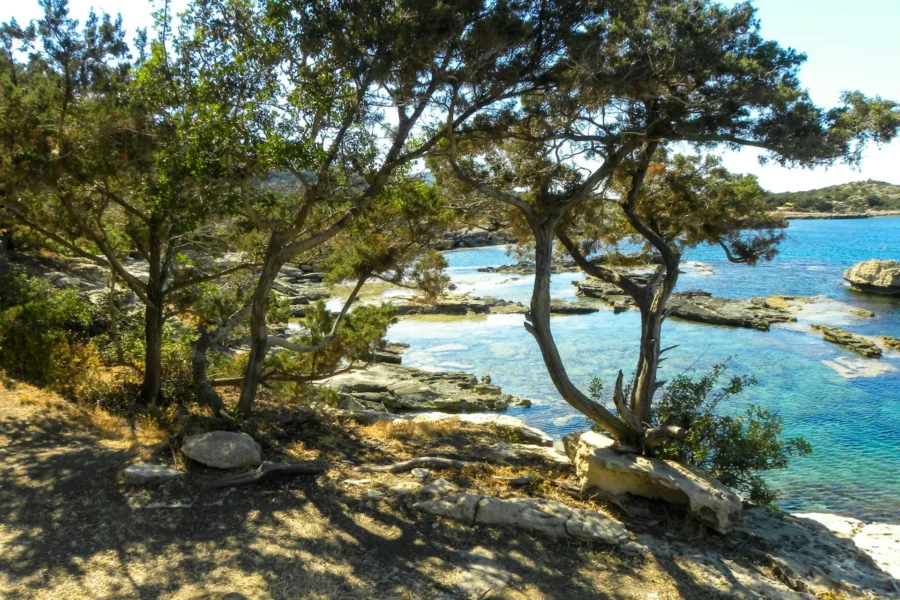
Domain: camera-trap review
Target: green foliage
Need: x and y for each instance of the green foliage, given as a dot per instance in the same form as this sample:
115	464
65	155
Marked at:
849	197
735	449
41	327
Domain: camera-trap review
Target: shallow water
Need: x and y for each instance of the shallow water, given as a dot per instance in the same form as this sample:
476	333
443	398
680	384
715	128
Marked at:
846	406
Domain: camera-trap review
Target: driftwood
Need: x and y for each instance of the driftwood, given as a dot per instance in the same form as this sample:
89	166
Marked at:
432	462
265	470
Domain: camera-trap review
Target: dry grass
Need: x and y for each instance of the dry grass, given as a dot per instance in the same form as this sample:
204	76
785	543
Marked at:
406	430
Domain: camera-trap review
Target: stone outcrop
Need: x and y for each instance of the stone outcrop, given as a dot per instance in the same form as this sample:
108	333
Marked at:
149	474
505	424
459	305
891	343
396	388
697	306
547	517
223	449
875	276
857	343
879	540
473	238
526	267
601	467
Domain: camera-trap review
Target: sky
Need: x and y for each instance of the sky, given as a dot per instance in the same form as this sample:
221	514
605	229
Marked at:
850	46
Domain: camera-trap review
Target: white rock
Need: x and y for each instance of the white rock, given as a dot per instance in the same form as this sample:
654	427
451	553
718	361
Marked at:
145	473
511	425
420	473
599	466
223	449
438	487
356	481
405	488
374	495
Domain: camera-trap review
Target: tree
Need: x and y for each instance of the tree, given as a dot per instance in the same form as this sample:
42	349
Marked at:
342	97
107	157
641	76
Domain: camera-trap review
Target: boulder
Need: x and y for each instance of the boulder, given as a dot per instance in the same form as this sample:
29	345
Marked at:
875	276
601	467
148	474
857	343
223	449
504	424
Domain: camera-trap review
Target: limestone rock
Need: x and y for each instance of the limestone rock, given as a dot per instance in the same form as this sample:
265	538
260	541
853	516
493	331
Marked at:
852	341
473	238
405	488
146	473
599	466
223	449
483	574
891	343
438	487
510	426
696	305
881	541
548	517
420	473
875	276
398	388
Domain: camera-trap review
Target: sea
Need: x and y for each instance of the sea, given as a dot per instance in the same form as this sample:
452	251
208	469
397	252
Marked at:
846	406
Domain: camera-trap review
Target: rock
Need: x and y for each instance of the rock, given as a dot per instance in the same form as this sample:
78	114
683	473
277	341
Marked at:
852	341
875	277
356	482
374	495
548	517
506	425
420	473
599	466
223	449
881	541
891	342
145	473
398	388
438	487
696	305
473	238
405	488
559	307
526	267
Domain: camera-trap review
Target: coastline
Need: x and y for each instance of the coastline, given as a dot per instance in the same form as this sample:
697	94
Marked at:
800	216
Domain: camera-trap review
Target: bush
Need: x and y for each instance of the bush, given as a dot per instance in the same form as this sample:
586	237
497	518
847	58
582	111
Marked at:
733	449
43	330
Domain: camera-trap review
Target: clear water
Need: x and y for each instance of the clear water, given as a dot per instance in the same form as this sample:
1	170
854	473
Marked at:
846	406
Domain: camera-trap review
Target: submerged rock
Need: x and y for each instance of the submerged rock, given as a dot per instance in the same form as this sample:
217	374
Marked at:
875	276
223	449
890	342
601	467
852	341
397	388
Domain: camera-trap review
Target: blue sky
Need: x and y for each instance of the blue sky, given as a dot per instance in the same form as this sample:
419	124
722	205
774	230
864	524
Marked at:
850	46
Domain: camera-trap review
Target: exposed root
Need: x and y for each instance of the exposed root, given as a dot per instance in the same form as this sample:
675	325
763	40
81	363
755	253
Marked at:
431	462
265	470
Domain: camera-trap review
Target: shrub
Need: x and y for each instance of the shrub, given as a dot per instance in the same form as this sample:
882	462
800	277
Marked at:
735	449
42	329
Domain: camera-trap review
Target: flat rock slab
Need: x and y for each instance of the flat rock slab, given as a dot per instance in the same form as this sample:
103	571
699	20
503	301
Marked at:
548	517
223	450
881	541
398	388
601	467
510	426
148	474
483	574
438	487
859	344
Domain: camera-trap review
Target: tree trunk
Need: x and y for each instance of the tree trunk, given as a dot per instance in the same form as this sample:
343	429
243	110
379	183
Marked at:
259	332
154	317
539	317
114	318
203	389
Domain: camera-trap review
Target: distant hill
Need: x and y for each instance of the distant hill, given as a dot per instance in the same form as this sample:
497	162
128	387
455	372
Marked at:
857	197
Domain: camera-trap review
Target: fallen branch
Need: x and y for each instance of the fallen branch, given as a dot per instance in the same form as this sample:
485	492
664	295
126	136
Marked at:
265	470
432	462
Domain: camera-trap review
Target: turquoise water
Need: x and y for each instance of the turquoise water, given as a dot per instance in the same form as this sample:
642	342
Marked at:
846	406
